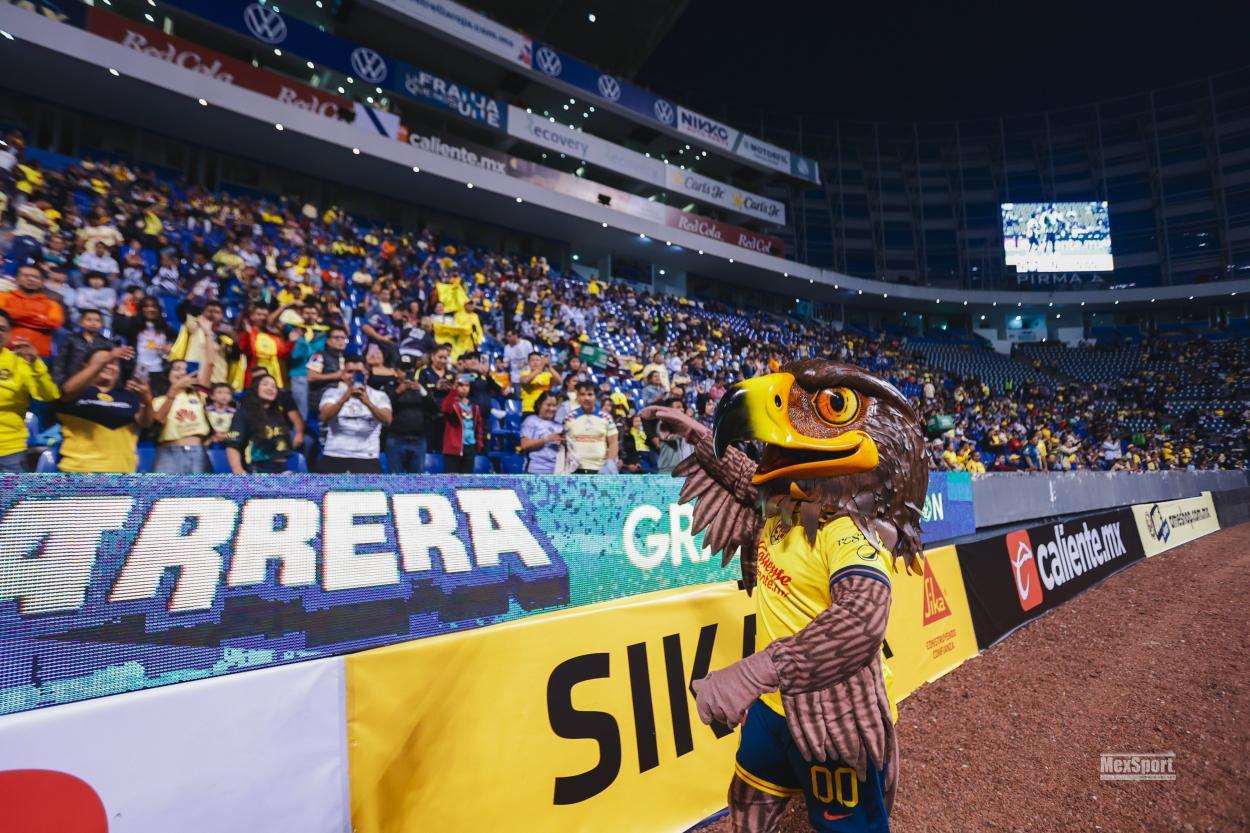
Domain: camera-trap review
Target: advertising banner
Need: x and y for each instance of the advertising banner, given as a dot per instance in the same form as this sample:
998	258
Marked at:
447	95
765	153
260	751
467	25
1171	523
266	25
575	721
183	53
541	131
930	629
1016	577
600	86
708	190
164	579
590	191
947	512
706	130
553	136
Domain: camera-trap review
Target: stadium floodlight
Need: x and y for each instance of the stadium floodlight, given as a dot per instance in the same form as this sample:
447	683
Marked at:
661	271
591	17
356	151
572	101
149	18
994	304
592	109
785	274
1058	315
278	126
518	199
1117	303
1051	304
885	295
1191	297
575	257
566	107
1152	300
378	89
861	292
642	236
811	280
203	103
7	36
1082	303
341	90
113	72
369	99
700	251
731	260
276	50
529	111
351	80
939	300
415	169
468	185
605	225
318	4
982	316
310	65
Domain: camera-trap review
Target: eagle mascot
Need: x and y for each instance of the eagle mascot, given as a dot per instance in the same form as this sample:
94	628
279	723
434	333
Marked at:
819	525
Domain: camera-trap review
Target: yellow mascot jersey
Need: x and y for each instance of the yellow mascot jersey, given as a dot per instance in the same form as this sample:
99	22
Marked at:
794	577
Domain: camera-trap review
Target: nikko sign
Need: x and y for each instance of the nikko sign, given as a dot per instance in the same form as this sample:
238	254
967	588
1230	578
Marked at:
177	578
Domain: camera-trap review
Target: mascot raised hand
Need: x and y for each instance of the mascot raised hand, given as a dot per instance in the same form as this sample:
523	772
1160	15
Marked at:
821	525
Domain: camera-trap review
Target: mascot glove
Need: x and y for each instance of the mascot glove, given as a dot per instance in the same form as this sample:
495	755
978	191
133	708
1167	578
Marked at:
726	695
676	422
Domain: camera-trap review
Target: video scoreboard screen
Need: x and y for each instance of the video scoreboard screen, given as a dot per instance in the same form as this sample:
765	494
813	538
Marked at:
1057	236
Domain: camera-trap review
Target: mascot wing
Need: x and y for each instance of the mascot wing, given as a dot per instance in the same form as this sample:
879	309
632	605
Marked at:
725	500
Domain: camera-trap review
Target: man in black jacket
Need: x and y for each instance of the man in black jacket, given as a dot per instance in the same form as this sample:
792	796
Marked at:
73	354
412	408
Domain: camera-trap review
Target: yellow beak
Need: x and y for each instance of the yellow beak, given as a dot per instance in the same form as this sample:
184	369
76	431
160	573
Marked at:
759	409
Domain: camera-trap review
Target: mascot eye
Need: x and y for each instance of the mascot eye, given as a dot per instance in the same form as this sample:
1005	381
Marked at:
837	406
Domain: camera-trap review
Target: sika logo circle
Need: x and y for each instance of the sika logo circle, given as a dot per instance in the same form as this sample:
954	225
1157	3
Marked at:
663	111
609	87
369	65
1024	569
265	23
548	61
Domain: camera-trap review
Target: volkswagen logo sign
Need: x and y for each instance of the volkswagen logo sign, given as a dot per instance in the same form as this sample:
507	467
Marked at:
369	65
548	61
663	111
609	87
265	23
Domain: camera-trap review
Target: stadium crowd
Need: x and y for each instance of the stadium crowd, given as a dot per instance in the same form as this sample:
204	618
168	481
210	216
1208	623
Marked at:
246	334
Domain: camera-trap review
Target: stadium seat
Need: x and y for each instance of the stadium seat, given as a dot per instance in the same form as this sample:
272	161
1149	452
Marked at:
481	465
512	464
297	463
146	453
47	462
435	464
218	459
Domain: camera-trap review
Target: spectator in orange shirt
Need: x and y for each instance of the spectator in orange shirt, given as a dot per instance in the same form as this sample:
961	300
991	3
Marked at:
35	314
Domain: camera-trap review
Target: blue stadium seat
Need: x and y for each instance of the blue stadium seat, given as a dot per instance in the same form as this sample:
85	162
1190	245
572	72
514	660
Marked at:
435	464
218	460
481	465
297	463
146	453
47	461
512	463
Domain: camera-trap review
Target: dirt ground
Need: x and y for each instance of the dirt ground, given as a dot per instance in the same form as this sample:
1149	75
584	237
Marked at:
1152	660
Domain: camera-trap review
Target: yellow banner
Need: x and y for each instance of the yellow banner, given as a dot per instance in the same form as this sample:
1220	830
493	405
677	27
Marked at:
930	629
1170	523
576	720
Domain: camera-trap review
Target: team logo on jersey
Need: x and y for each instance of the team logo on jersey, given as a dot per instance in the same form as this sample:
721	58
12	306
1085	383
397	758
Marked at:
866	552
663	111
264	23
609	87
1024	569
369	65
548	61
781	530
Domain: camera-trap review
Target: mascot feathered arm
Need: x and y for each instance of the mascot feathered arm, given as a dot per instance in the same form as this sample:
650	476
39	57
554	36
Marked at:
725	501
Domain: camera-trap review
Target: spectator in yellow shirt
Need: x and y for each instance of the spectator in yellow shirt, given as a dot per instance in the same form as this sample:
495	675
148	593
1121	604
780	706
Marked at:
536	380
23	376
